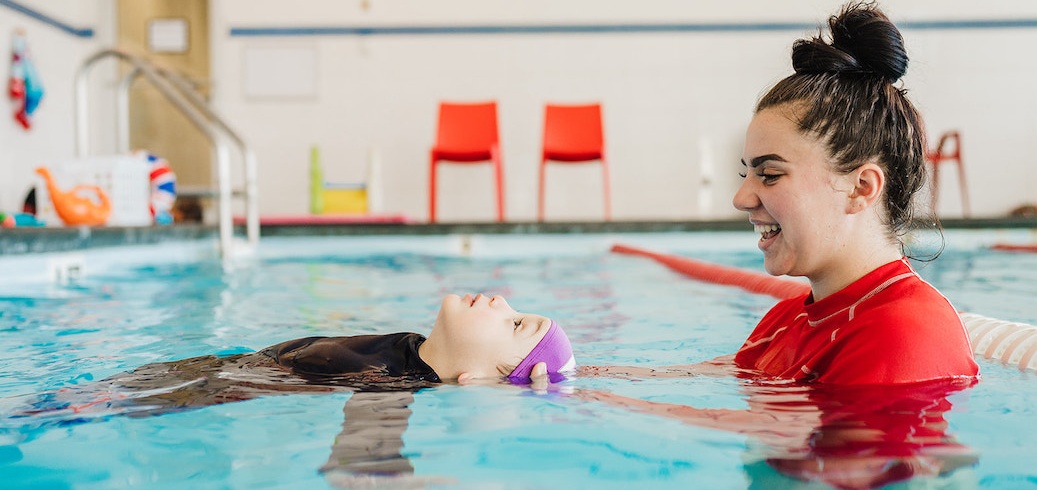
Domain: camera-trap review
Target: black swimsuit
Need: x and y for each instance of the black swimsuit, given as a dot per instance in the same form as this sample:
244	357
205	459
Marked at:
361	363
393	355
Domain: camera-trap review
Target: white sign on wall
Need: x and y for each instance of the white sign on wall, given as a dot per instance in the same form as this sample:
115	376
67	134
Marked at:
167	35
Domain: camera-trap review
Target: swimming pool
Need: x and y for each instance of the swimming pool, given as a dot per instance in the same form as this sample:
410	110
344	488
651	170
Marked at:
121	308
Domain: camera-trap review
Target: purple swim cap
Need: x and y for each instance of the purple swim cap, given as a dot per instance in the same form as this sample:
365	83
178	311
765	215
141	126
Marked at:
554	349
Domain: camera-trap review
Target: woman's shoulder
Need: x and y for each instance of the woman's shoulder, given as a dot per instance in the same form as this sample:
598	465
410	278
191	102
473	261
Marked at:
912	317
914	297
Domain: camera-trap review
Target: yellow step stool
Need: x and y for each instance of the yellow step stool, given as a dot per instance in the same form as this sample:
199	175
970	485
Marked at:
343	198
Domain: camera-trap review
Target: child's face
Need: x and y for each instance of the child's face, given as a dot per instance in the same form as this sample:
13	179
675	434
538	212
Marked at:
486	335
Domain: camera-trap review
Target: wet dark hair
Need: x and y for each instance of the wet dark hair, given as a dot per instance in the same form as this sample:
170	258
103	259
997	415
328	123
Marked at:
843	91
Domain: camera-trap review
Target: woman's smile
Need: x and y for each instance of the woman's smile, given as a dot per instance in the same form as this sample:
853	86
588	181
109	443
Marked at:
767	233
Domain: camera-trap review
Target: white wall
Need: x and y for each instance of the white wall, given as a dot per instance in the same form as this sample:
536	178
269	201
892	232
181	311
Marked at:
57	56
670	98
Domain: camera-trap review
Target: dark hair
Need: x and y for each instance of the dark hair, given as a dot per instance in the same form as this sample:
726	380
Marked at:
845	94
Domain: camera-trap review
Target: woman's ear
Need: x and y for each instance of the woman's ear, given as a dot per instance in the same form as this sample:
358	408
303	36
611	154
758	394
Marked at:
868	182
465	378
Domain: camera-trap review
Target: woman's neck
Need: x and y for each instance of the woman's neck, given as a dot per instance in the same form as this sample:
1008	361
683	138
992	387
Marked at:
856	261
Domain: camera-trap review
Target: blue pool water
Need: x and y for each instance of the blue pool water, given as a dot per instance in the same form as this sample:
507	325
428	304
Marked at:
133	306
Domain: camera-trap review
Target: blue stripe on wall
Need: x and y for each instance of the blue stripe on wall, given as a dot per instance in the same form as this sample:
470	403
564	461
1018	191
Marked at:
607	28
516	29
46	19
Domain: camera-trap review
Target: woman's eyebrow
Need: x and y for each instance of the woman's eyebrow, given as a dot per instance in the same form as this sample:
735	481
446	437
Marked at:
756	162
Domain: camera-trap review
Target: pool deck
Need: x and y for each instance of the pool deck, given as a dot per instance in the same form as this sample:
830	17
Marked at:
15	241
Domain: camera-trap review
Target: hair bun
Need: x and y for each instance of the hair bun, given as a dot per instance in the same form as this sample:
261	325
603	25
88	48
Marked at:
864	41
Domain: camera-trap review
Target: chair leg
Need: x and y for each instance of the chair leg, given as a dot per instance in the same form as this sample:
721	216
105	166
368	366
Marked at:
432	190
964	190
497	170
605	188
961	176
934	188
938	158
540	192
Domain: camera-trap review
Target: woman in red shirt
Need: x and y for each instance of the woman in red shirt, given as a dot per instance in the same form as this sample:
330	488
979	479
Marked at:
832	160
833	157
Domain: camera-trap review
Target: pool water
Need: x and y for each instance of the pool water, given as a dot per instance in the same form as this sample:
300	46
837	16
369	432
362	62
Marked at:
135	306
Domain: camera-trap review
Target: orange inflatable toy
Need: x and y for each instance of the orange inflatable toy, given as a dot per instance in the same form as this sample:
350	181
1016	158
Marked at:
75	209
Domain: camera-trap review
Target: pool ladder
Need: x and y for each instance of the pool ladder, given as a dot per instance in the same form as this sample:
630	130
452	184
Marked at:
180	92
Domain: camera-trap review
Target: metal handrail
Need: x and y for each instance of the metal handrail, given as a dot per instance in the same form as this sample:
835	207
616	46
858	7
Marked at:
249	158
180	93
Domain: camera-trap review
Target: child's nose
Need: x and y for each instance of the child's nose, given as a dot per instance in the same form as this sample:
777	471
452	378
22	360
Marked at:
499	301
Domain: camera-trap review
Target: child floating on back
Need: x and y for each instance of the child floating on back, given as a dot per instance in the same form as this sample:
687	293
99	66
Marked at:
472	338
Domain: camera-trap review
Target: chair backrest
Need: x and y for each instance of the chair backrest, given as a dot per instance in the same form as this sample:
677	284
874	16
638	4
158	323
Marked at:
941	152
573	130
467	127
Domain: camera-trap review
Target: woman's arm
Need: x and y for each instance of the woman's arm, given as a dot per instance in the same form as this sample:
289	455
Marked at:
777	428
720	366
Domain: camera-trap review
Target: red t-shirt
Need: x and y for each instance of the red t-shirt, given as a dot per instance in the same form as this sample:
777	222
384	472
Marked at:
889	326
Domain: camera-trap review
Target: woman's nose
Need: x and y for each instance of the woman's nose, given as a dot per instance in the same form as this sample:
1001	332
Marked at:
745	197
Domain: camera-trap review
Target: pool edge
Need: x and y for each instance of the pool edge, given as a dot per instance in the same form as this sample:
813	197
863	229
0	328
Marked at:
18	241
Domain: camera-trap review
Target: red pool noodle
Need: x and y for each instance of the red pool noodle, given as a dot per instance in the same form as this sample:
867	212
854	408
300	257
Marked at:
718	274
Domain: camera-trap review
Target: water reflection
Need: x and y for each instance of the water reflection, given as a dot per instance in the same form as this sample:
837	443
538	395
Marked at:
368	449
842	436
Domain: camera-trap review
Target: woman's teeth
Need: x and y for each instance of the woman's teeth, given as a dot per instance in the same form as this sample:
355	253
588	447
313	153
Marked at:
767	231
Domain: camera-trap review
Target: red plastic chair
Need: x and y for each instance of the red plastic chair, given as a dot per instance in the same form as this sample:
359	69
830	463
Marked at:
573	134
467	134
940	155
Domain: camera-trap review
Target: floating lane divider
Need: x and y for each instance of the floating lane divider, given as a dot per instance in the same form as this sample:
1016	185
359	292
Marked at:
1009	342
1005	247
753	282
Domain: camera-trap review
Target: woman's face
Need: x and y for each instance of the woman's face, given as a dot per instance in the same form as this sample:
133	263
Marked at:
486	333
794	198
